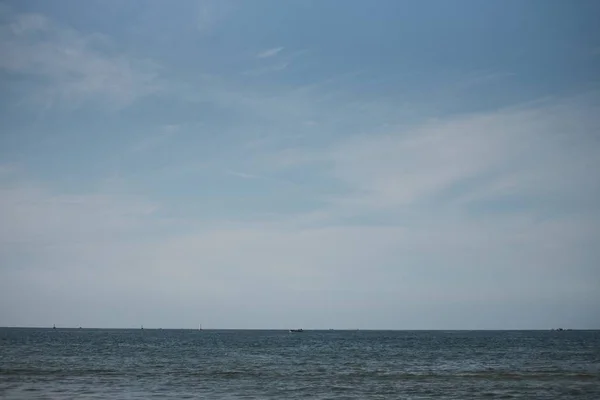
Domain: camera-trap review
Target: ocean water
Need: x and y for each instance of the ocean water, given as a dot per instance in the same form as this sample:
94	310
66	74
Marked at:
180	364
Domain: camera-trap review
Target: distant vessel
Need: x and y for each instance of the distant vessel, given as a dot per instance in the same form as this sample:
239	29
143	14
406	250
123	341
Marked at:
53	326
200	327
296	330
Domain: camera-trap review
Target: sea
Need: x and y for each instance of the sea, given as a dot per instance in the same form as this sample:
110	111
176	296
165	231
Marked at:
271	364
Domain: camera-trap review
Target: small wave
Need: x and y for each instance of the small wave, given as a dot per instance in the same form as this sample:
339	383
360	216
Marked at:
55	372
272	374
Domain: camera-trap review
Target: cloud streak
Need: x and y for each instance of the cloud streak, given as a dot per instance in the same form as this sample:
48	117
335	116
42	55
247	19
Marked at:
544	151
269	52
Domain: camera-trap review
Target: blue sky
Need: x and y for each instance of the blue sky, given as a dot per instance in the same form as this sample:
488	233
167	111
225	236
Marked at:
322	164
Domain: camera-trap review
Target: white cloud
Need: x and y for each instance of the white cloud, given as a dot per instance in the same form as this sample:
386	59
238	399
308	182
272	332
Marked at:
539	153
243	175
544	151
72	67
269	52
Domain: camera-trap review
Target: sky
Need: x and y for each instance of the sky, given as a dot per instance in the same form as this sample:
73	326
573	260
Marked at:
317	164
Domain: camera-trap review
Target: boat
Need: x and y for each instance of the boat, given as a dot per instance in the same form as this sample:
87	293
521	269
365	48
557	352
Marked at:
296	330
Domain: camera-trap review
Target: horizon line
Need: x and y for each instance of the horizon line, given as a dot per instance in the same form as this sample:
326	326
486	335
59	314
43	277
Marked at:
307	329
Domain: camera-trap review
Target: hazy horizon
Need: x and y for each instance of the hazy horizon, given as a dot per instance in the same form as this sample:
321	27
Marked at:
287	329
300	164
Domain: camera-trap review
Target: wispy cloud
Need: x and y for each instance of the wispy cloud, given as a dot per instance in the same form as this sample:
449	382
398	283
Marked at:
243	175
73	67
525	146
269	52
518	160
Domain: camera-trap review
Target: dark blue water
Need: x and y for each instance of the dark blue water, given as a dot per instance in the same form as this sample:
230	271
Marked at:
176	364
